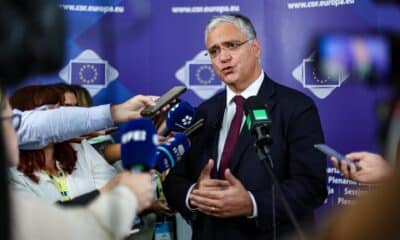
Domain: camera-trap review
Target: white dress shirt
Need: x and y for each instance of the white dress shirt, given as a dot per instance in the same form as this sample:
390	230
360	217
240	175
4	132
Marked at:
230	111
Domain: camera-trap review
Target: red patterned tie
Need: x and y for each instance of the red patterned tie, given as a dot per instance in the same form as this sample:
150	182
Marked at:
233	136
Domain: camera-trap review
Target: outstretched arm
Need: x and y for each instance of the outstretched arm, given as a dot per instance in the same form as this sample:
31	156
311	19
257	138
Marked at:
40	127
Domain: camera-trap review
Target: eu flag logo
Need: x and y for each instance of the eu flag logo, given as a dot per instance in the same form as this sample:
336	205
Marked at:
202	74
88	73
311	78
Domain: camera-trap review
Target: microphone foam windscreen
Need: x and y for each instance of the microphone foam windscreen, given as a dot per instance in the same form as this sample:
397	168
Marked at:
180	117
138	144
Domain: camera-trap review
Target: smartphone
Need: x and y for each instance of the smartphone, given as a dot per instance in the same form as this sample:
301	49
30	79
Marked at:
110	130
188	131
330	152
172	94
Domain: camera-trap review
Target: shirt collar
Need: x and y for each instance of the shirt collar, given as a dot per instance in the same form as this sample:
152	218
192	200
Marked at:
251	90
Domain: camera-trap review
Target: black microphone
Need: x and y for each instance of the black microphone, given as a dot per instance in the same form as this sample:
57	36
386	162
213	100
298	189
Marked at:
258	120
259	123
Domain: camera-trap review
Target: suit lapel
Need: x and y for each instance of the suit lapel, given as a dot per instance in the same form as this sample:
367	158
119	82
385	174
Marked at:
216	115
266	93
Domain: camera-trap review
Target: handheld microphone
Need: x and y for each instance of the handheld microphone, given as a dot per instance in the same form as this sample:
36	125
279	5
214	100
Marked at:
179	118
171	152
258	120
138	145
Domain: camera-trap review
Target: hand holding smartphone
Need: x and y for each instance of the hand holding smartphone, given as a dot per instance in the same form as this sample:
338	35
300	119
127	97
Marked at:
166	98
330	152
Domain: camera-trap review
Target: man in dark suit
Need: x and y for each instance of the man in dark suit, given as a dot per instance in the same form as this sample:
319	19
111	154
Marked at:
221	185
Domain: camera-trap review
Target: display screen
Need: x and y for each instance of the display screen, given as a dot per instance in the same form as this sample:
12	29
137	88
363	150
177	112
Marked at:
363	56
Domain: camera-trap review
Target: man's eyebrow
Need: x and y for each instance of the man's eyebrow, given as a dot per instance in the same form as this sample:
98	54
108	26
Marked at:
228	41
224	42
213	46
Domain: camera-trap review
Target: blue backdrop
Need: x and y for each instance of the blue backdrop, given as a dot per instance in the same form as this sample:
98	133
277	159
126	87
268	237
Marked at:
120	48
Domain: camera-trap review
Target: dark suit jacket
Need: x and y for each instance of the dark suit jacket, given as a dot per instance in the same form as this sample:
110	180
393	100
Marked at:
300	169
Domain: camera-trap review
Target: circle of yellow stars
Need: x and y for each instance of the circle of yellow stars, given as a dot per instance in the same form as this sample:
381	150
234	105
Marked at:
89	67
205	68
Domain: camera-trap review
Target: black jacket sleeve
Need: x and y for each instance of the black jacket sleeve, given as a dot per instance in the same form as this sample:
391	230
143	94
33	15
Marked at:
81	200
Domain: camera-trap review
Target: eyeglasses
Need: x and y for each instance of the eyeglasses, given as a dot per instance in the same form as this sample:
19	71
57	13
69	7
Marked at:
229	46
15	120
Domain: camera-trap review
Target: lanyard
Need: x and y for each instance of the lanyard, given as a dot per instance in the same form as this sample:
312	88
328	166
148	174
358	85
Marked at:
160	192
60	182
159	187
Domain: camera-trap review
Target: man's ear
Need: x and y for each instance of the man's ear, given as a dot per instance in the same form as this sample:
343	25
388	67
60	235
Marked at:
256	45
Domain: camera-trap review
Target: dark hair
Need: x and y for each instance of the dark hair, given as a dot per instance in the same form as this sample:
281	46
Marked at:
64	88
32	161
31	97
83	95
